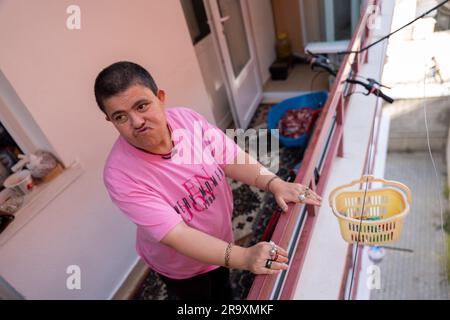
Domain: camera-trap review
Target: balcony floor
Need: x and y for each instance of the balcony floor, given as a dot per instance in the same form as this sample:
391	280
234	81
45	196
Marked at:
301	79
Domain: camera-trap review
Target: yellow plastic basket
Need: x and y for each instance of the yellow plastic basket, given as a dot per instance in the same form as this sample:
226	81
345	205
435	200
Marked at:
384	211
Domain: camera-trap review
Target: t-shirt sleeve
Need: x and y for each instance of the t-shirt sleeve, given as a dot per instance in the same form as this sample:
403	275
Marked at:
143	207
223	148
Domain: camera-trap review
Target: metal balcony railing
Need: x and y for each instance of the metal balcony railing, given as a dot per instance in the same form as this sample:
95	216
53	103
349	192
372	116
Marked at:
294	229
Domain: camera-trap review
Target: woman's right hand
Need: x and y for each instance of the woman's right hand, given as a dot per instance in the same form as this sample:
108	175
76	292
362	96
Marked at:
257	258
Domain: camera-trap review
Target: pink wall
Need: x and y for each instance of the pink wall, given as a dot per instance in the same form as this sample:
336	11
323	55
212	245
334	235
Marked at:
53	68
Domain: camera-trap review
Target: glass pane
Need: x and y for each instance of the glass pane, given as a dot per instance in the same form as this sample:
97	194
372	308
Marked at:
443	18
314	20
342	20
235	34
195	13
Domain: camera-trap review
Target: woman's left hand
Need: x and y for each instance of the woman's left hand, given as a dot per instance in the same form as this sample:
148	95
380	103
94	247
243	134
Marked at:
287	192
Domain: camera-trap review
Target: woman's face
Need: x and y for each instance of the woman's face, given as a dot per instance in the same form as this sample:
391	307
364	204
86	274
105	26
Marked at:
138	114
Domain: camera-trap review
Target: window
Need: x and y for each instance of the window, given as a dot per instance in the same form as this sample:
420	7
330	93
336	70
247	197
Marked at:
20	134
329	20
196	18
443	18
9	151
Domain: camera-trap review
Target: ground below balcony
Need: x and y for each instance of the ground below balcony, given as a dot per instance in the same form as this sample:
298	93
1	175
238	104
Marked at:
417	266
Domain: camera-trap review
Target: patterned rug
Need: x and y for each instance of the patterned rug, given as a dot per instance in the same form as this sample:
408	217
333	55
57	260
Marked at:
252	211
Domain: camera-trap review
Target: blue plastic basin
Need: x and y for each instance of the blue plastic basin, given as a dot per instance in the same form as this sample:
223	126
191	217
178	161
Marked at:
314	100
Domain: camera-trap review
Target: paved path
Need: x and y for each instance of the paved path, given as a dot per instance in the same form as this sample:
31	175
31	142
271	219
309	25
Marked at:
420	274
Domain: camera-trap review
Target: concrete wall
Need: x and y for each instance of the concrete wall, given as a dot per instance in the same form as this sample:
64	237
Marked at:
51	71
408	131
405	11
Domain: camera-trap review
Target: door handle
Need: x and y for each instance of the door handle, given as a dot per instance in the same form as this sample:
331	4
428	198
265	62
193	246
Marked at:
224	19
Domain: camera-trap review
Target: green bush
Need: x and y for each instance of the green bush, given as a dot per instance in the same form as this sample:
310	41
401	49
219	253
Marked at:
446	191
447	222
448	258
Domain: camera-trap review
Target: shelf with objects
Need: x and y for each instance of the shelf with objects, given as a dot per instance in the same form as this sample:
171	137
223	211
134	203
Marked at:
20	173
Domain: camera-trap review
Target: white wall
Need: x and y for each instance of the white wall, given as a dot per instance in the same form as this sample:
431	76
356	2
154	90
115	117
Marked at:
52	71
405	11
262	23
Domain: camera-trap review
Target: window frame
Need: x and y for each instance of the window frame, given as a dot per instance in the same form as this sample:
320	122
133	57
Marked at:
201	19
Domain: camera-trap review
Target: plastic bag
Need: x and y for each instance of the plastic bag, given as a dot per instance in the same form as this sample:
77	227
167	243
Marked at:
41	163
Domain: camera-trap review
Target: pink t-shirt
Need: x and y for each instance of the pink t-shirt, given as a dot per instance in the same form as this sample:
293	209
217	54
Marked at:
157	193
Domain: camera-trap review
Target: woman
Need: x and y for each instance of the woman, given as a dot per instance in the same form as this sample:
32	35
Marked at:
167	173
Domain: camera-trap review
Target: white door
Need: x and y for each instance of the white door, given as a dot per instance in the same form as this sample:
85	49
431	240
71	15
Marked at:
213	77
230	24
209	60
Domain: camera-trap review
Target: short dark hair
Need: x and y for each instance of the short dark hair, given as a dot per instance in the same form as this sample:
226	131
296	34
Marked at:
118	77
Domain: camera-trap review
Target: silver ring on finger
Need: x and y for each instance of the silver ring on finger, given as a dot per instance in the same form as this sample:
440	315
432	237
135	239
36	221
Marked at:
272	252
302	197
274	246
269	264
